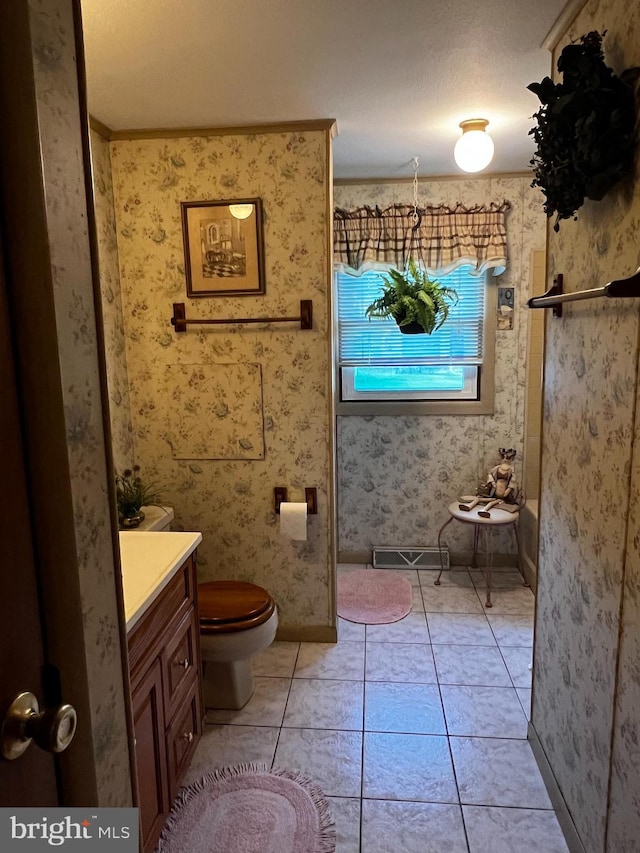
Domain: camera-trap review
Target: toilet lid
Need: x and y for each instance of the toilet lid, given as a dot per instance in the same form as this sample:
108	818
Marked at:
225	602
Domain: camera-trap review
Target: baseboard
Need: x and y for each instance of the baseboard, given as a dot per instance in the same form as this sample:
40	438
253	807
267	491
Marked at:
555	795
364	558
307	634
463	559
530	571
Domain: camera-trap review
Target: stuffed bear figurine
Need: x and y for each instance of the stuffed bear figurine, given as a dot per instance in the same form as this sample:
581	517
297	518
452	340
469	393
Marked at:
500	489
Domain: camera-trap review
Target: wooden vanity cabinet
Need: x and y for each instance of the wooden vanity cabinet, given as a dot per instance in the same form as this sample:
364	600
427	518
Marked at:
166	688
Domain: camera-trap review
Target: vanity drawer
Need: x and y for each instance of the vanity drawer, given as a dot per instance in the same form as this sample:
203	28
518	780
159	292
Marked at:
183	735
180	661
147	637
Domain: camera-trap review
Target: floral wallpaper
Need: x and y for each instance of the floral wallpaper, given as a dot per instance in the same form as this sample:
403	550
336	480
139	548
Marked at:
587	641
216	411
55	75
397	475
116	360
230	500
624	808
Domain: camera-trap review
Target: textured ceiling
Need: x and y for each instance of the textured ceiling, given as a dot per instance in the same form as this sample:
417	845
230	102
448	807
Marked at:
397	75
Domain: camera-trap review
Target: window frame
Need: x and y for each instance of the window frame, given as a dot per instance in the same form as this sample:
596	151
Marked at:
484	405
349	393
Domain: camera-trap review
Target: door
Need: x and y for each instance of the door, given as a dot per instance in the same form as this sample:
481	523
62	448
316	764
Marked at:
44	230
29	780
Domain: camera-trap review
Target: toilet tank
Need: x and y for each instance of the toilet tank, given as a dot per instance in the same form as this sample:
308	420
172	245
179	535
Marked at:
156	518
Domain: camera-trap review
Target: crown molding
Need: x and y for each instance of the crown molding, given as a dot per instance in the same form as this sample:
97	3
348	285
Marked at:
562	23
489	176
328	124
101	129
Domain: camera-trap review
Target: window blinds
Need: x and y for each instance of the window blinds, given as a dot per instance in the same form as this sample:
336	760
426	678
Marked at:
379	341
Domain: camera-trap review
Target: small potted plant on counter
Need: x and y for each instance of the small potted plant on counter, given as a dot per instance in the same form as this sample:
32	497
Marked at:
131	495
417	303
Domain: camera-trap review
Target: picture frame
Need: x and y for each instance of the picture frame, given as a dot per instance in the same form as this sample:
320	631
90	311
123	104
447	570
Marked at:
223	247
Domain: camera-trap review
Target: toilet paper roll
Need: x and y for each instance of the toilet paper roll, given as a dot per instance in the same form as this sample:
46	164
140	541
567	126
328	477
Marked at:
293	520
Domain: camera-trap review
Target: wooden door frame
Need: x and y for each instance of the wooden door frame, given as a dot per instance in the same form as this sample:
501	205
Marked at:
44	421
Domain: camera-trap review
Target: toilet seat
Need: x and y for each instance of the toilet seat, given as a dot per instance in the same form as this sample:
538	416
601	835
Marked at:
228	606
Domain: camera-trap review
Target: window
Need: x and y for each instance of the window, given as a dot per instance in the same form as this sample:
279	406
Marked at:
448	371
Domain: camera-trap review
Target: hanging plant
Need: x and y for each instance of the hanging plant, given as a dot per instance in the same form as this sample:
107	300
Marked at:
417	303
585	130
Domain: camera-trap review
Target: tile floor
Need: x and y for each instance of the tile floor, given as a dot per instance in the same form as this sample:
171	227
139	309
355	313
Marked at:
416	730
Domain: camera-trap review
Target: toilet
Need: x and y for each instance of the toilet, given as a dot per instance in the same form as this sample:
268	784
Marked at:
237	620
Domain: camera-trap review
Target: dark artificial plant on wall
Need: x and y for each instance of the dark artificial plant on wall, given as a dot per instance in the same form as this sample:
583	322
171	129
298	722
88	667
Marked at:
585	129
416	302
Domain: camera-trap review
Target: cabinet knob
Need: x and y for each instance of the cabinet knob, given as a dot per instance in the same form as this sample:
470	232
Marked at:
183	663
188	736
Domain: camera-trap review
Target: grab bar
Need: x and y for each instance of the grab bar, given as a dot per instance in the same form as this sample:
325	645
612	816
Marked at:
555	297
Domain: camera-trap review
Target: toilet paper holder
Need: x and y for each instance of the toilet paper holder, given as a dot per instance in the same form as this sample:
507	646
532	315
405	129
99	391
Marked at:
310	496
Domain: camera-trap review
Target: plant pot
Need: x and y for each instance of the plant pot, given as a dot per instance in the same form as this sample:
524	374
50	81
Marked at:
412	329
132	521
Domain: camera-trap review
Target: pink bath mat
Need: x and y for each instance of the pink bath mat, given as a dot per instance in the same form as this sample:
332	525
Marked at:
373	596
250	809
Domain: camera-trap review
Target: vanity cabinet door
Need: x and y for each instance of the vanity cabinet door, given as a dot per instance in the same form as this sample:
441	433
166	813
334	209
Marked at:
151	756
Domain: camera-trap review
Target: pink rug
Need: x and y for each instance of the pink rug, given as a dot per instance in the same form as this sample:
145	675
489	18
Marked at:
249	809
374	596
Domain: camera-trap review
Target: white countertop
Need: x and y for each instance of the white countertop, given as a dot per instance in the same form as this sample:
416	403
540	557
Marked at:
149	561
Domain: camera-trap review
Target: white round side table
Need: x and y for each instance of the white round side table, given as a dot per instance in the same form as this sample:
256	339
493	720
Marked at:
497	518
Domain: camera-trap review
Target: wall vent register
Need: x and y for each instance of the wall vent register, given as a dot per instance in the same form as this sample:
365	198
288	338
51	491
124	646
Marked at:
409	558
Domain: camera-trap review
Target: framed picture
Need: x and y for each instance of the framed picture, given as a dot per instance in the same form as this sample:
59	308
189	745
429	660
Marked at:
223	247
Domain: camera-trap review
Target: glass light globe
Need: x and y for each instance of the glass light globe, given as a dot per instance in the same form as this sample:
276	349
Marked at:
474	150
241	211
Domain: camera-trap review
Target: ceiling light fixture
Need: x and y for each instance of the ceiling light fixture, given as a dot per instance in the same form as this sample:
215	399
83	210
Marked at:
241	211
474	149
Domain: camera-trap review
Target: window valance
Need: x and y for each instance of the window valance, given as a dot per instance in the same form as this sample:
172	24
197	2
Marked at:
442	238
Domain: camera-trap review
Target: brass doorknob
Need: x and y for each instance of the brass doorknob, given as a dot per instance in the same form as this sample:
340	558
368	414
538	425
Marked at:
52	729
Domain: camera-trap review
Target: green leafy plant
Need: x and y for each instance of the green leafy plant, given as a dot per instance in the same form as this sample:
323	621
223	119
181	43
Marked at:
132	493
416	302
585	129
